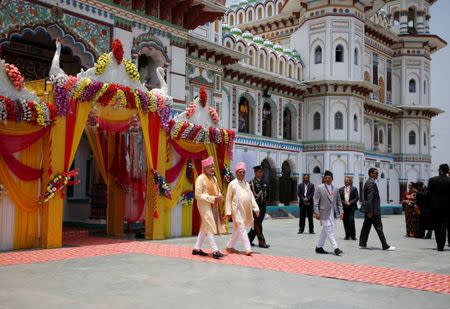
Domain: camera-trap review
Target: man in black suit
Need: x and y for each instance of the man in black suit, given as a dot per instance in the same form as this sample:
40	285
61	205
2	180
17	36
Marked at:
260	191
371	208
349	198
439	203
305	196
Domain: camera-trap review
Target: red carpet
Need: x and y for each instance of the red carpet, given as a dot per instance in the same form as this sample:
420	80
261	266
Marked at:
92	247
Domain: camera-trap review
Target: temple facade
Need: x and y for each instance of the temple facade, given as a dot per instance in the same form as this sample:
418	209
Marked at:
307	85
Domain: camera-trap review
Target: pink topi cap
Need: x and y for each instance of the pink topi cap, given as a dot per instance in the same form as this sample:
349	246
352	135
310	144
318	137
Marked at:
207	162
240	166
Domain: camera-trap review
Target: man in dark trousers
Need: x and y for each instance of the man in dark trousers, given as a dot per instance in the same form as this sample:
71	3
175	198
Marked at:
372	210
439	203
349	198
305	196
260	191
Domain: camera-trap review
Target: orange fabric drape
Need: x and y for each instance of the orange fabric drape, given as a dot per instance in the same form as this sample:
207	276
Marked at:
96	148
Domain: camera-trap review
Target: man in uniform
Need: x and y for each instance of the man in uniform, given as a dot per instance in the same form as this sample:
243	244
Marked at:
260	191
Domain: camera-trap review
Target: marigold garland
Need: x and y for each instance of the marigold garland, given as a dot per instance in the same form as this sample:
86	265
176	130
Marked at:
102	64
131	70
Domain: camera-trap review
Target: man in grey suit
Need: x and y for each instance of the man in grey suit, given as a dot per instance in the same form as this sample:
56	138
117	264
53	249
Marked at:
327	207
371	207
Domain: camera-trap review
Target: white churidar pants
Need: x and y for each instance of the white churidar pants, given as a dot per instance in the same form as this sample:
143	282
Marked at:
201	237
239	232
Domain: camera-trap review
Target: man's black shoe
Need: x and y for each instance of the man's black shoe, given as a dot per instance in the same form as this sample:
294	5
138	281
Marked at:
217	255
264	246
300	232
321	251
338	251
199	252
311	232
346	238
354	238
252	244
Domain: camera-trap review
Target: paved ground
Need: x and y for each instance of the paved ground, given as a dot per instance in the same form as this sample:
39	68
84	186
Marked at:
143	274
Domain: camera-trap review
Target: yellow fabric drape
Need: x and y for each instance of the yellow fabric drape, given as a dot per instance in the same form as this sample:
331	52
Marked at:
144	125
110	113
26	222
164	216
52	211
24	194
96	148
83	110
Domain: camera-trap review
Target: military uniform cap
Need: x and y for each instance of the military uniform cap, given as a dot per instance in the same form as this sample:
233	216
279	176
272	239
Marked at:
257	168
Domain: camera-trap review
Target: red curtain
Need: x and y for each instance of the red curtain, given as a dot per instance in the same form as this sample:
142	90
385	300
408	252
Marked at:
10	144
21	170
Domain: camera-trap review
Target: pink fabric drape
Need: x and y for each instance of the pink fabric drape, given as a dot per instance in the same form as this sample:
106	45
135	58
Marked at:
22	171
10	144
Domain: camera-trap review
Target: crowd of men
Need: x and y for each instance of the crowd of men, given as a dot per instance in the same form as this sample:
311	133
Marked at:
245	206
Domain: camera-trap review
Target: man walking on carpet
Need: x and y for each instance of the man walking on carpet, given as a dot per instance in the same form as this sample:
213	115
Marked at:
349	197
305	198
208	196
240	204
327	207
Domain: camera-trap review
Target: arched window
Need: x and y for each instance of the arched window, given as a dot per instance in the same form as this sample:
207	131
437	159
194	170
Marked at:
281	68
299	73
240	49
355	123
338	121
261	61
271	64
318	55
250	16
412	20
260	13
241	18
424	138
424	87
269	11
279	6
316	123
356	56
232	20
287	124
412	86
397	18
244	116
228	44
267	120
290	71
251	60
412	137
316	170
339	56
380	137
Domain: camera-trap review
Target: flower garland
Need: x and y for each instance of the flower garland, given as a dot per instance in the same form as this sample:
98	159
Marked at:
117	50
14	76
203	96
214	115
198	134
161	185
190	110
131	70
102	64
187	198
226	174
38	113
58	183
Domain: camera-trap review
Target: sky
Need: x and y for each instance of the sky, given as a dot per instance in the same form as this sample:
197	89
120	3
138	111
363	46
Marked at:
440	83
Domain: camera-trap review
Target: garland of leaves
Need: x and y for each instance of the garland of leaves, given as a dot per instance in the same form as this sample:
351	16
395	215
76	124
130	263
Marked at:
58	183
161	185
38	113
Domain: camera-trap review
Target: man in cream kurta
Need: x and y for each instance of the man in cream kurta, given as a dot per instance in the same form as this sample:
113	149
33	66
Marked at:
208	196
239	204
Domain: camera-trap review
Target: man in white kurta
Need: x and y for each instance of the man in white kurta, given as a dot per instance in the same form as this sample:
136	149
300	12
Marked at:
208	196
327	207
239	204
